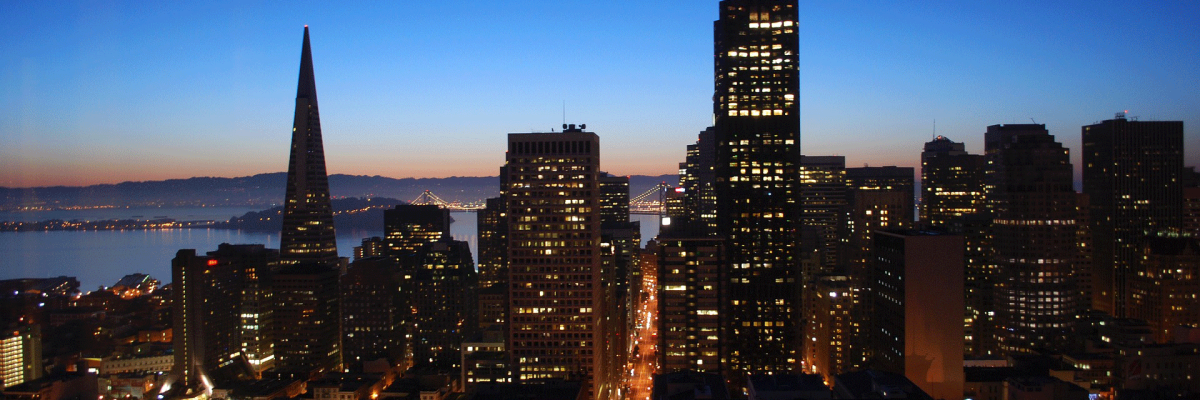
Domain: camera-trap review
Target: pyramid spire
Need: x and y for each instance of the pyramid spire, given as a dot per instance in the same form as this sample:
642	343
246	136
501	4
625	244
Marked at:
307	87
308	234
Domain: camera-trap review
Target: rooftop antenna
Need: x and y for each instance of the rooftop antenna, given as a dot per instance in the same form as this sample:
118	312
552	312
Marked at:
934	135
564	112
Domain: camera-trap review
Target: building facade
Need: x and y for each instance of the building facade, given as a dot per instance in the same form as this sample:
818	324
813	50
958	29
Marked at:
1132	174
308	234
757	127
1034	231
918	301
553	202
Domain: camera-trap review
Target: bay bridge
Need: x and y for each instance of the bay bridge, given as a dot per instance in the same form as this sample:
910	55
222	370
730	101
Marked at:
648	202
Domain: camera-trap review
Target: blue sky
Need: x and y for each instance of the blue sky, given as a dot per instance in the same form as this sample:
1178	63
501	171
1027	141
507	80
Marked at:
104	92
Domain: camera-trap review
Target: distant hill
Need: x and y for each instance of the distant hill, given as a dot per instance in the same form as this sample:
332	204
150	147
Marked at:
349	213
265	190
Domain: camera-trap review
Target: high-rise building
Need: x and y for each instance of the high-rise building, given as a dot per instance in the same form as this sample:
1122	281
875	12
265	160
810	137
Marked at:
756	109
372	313
952	200
876	198
884	179
952	182
553	201
308	234
307	321
256	264
1164	295
1034	231
980	273
1132	176
222	310
408	227
619	243
831	322
492	225
822	198
917	321
307	325
696	177
20	354
689	318
442	288
371	247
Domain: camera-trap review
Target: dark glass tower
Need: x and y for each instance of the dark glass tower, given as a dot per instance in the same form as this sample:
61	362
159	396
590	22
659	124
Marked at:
757	124
1034	228
1132	174
308	234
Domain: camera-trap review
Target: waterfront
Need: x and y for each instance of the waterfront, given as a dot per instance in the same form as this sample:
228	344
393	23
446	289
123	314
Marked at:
102	257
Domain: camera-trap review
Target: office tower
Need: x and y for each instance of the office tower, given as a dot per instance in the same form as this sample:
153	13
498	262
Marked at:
832	326
757	125
442	285
1033	204
493	241
306	326
696	177
221	309
20	354
875	198
952	182
1132	176
980	272
408	227
1084	268
372	313
952	200
371	247
308	234
822	198
256	265
492	225
1191	211
614	199
885	179
1164	295
918	296
878	198
620	240
553	201
689	318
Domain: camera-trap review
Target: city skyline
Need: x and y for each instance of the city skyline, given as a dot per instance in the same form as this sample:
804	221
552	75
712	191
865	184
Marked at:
201	90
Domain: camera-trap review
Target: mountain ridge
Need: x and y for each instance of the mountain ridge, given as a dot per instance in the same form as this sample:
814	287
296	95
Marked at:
261	189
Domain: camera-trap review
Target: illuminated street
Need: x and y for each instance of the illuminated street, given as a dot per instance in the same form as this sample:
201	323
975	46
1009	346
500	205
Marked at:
643	362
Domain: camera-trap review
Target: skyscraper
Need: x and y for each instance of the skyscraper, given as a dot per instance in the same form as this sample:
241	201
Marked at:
1132	174
951	182
822	198
757	124
308	234
372	313
305	300
917	327
221	310
553	202
1034	227
689	319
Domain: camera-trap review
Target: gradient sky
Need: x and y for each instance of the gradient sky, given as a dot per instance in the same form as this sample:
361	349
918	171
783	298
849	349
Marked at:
105	92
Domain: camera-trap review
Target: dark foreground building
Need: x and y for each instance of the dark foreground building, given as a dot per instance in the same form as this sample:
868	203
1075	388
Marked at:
757	122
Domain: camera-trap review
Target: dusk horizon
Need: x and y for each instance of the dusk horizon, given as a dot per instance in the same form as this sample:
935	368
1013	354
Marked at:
410	94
